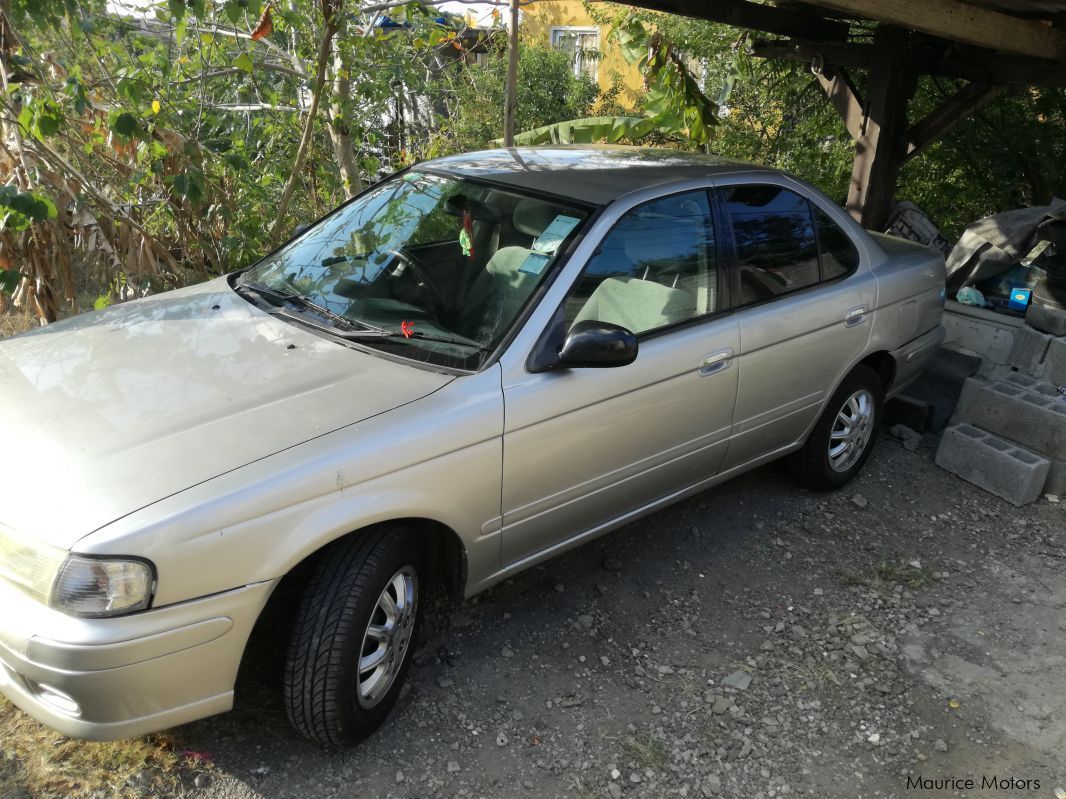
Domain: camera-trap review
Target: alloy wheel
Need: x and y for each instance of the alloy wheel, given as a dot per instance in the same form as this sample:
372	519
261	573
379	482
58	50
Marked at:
851	431
387	637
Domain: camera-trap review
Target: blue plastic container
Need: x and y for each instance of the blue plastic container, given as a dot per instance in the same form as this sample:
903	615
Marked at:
1019	299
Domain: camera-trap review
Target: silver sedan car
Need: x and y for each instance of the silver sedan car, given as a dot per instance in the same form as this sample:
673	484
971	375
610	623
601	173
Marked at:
471	367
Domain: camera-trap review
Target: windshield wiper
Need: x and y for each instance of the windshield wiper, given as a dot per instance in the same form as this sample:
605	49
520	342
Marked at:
351	330
362	333
412	334
279	298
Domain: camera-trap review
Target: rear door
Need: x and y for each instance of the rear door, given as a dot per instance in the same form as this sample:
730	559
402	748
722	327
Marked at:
803	300
584	447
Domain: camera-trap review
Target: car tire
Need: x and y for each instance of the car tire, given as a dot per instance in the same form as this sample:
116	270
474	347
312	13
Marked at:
352	638
844	436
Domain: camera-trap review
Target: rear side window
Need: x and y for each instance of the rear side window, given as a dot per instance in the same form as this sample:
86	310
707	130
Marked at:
839	255
777	251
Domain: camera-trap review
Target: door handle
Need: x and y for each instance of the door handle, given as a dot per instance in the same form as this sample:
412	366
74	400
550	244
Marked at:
856	316
716	362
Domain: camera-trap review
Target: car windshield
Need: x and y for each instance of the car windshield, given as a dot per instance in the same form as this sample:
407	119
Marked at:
424	266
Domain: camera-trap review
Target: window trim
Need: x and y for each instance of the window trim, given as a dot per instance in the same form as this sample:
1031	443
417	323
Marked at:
718	193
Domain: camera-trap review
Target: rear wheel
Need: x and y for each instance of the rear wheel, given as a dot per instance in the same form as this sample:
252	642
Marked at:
351	641
844	435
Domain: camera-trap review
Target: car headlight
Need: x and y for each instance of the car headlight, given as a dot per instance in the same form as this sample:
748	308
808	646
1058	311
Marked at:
89	586
29	564
81	585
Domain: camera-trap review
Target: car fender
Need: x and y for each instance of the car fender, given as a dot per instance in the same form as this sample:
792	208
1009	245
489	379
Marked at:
438	458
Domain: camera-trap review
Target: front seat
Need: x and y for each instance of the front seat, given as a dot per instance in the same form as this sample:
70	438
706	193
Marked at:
502	288
637	303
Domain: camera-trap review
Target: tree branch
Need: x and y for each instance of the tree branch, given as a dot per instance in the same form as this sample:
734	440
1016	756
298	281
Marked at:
329	30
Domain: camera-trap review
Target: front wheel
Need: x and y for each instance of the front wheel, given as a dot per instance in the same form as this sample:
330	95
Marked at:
351	641
842	439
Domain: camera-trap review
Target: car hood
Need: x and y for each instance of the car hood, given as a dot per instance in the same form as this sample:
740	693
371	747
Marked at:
108	412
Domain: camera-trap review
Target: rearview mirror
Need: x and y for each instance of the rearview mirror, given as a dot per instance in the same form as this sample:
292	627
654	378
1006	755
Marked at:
592	344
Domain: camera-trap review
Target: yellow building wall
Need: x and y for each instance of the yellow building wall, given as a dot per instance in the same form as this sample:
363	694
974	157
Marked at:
540	17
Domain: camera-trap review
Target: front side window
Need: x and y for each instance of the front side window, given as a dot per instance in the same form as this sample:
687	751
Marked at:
655	268
777	251
424	266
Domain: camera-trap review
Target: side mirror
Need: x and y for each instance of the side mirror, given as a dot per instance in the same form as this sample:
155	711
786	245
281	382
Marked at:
592	344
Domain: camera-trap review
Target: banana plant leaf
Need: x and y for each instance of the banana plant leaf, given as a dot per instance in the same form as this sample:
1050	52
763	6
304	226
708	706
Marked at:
586	131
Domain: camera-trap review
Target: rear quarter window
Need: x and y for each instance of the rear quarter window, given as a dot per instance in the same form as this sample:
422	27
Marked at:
839	256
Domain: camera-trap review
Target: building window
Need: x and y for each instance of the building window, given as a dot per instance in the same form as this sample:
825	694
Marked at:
583	45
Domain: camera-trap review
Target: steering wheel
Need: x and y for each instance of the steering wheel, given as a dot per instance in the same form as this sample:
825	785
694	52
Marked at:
426	284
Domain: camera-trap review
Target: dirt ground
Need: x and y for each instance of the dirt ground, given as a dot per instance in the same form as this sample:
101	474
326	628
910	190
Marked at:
906	630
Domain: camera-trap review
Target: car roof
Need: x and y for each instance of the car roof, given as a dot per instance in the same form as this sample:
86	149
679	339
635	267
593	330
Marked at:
607	171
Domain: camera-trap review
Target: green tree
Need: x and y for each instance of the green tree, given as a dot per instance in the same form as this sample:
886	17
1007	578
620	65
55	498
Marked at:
548	92
167	142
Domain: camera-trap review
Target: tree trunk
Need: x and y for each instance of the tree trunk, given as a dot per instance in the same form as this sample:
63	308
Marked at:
340	130
511	93
329	30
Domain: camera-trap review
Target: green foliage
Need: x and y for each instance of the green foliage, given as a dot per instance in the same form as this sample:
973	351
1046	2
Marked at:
9	280
586	130
19	210
675	102
40	117
125	124
549	93
1010	154
154	131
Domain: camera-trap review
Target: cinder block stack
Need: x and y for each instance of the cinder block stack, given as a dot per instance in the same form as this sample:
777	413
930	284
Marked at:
1008	435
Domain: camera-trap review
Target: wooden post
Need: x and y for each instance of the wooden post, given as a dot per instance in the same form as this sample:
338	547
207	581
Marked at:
511	92
881	148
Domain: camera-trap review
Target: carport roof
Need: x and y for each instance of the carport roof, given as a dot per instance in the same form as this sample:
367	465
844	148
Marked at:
995	41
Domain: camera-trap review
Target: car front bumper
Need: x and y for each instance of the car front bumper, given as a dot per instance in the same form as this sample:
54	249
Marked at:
105	679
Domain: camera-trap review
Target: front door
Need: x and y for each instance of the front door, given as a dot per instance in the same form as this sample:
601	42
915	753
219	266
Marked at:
583	447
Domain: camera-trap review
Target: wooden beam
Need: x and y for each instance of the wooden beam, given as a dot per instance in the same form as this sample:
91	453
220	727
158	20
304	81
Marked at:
879	152
837	54
962	22
755	16
947	115
932	56
982	66
844	97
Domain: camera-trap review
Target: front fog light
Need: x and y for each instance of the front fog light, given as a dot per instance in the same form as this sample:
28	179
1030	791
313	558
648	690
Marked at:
62	702
102	587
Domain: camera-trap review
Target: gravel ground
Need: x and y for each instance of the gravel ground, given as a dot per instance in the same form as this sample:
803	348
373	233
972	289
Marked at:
755	641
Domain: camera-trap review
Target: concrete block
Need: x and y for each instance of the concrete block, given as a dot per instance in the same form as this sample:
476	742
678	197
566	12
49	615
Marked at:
1047	320
1035	421
908	411
1031	383
968	398
935	392
1027	353
1055	362
992	463
1056	478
